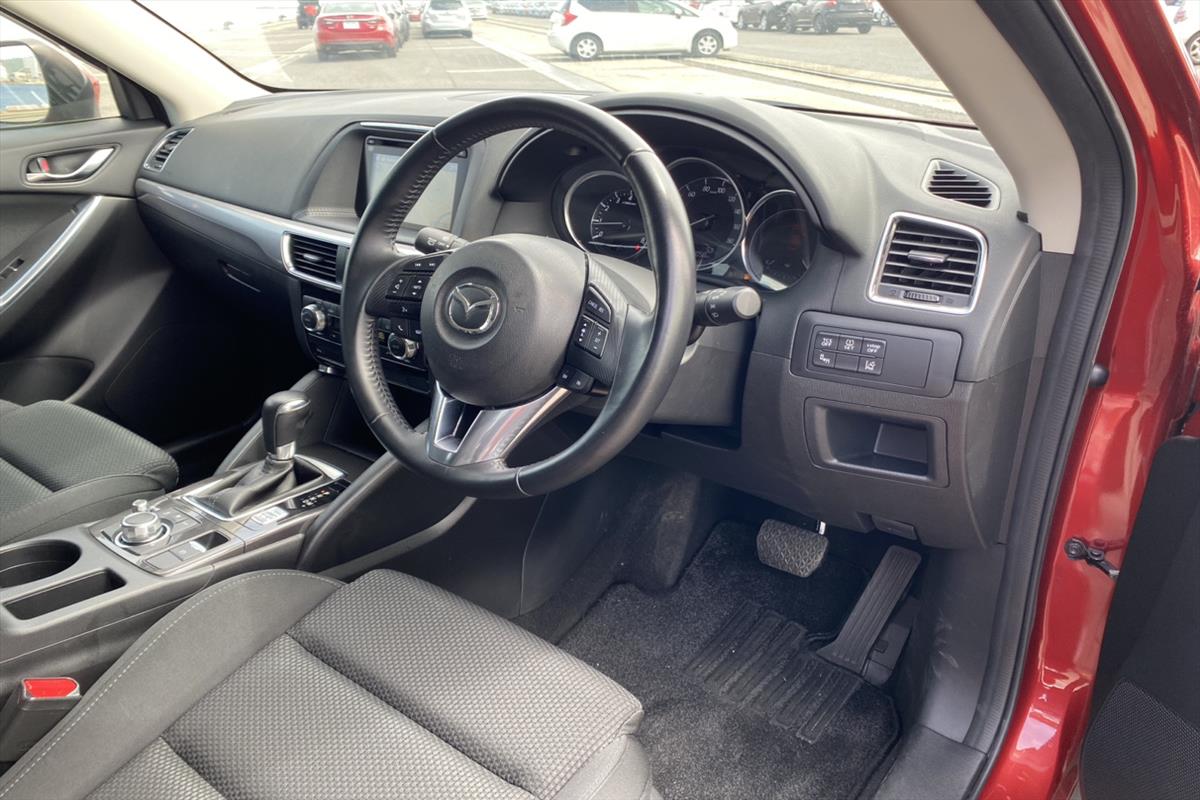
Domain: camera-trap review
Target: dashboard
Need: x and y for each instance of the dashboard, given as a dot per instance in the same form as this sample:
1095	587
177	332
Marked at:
883	385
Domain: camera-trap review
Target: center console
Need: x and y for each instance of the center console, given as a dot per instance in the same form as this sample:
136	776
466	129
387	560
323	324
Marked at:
73	600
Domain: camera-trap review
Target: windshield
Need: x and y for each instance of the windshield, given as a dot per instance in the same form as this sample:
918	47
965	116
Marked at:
837	55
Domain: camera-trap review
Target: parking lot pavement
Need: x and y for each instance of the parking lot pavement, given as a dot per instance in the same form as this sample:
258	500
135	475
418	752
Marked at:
508	53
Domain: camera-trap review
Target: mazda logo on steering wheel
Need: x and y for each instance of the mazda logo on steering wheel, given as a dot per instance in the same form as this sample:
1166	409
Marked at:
473	308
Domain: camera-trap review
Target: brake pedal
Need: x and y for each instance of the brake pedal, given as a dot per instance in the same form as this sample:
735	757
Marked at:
790	548
884	591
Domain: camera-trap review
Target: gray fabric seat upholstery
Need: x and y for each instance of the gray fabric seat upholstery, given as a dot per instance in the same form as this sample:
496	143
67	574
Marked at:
61	465
284	684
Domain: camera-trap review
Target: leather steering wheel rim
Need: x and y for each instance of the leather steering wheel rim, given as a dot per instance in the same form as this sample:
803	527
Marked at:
655	347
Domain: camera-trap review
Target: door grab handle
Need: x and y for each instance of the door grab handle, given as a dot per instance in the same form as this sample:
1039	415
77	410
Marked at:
84	171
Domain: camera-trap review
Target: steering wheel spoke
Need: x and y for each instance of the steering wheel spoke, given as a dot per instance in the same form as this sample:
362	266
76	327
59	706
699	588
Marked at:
460	434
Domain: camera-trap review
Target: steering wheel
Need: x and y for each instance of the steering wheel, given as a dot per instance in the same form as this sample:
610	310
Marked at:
515	326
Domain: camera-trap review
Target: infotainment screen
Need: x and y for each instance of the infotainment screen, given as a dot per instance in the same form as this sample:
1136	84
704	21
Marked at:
436	206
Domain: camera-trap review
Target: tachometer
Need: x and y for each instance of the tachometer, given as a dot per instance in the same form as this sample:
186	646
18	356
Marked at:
602	215
616	227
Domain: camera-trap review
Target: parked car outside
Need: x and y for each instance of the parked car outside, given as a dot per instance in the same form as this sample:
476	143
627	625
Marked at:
882	18
721	8
584	29
1185	23
399	15
446	16
306	13
827	16
765	15
415	9
355	25
478	9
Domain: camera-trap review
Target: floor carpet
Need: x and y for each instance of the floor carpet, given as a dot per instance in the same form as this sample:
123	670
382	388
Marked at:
737	706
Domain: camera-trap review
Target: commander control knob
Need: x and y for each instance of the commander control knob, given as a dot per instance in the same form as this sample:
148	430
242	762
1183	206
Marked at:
140	527
401	347
312	318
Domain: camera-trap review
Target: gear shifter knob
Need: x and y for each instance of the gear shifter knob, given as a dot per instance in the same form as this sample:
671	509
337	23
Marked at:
283	417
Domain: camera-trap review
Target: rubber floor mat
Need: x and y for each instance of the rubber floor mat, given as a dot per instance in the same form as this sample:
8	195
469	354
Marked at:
721	664
759	659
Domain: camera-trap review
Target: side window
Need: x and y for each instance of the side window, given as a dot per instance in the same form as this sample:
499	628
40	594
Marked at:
655	7
41	83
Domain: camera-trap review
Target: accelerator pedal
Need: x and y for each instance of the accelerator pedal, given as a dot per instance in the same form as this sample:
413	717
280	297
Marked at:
790	548
884	591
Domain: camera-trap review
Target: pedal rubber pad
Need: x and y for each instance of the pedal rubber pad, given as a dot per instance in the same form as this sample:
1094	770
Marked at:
790	549
885	589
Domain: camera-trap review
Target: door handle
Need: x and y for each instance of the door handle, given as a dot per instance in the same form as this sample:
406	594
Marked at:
84	171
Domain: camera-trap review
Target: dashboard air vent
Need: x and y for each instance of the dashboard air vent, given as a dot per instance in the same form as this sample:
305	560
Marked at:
313	257
952	182
929	263
158	159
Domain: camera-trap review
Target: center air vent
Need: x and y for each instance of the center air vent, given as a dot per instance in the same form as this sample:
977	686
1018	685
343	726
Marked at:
929	263
952	182
158	159
313	258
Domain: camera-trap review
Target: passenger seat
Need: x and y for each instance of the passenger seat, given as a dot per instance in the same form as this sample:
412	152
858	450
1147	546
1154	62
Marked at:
61	465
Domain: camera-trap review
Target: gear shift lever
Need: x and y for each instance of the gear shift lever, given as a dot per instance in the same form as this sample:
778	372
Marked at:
283	417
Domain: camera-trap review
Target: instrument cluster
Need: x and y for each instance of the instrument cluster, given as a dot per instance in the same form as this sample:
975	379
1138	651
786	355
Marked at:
743	233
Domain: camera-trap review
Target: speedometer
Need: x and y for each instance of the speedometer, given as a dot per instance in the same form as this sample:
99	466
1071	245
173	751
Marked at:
714	208
715	213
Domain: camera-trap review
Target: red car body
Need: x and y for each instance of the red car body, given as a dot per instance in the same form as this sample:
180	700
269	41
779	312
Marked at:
1151	348
355	31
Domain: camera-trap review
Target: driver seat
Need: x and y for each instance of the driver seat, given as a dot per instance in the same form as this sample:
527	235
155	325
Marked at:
284	684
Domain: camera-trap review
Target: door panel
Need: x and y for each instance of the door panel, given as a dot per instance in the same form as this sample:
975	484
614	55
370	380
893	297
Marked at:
1144	738
132	141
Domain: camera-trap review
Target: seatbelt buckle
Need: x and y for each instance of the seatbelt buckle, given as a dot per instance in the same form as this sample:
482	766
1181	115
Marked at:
33	708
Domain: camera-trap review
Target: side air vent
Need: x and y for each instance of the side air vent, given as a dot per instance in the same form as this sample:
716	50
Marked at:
952	182
312	258
929	263
158	159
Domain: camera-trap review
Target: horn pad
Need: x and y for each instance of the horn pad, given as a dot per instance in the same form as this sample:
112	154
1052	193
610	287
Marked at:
498	315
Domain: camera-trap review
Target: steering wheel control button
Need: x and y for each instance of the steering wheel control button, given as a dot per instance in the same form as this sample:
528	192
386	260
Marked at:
596	342
596	305
416	287
874	347
823	359
850	344
583	332
576	380
870	366
846	362
399	288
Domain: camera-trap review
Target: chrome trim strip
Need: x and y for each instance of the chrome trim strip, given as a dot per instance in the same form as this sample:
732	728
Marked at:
881	256
933	165
34	270
396	126
87	169
269	232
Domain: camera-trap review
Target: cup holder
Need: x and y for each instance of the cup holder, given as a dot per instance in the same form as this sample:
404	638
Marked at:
25	563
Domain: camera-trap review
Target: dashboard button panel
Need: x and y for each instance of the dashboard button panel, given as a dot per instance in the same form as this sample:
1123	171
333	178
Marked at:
884	355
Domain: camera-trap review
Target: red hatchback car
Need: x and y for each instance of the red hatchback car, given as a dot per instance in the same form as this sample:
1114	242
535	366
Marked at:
355	26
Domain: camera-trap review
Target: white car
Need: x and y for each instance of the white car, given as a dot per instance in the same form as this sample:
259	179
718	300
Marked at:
1184	16
478	9
583	29
446	16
